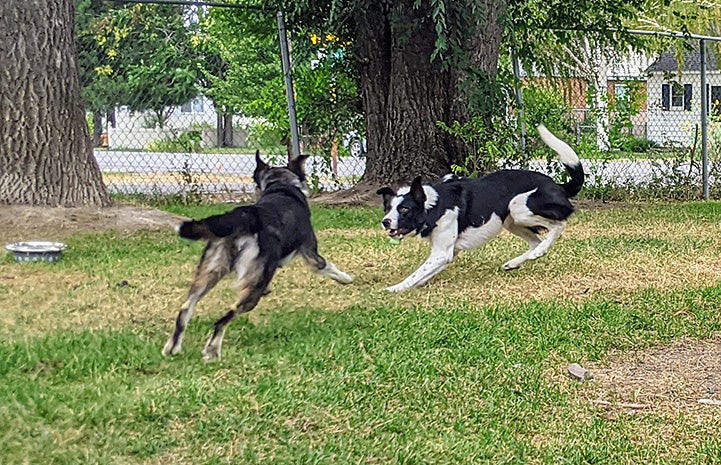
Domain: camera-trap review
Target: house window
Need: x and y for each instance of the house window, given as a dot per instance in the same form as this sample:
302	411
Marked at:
675	96
194	106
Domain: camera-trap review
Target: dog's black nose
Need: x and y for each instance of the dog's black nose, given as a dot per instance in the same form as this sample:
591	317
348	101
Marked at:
386	223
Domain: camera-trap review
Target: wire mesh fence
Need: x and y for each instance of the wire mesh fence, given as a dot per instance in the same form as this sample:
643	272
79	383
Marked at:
162	125
648	123
162	103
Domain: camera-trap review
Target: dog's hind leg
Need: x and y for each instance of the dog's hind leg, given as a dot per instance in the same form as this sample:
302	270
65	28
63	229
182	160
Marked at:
531	239
253	288
214	265
555	228
323	267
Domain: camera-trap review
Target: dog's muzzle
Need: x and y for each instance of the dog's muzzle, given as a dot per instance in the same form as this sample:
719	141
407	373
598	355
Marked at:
394	233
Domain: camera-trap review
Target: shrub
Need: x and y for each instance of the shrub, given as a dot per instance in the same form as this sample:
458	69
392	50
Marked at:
188	141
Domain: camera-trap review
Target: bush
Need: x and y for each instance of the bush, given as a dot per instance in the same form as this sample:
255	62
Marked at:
186	142
640	145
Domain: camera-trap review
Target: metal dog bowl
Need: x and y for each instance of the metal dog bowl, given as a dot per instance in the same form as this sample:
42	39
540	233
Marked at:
36	251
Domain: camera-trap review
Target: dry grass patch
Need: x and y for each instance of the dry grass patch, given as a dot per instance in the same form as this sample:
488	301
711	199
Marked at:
668	379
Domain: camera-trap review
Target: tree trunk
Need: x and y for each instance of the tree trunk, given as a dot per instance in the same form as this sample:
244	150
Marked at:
97	129
405	93
219	132
46	153
227	130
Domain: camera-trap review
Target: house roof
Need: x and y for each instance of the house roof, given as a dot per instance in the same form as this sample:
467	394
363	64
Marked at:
667	63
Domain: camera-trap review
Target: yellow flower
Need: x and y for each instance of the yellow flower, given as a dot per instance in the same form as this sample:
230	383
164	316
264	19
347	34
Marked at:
105	70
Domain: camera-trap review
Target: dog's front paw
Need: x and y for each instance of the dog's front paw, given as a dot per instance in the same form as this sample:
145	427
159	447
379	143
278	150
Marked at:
344	278
171	348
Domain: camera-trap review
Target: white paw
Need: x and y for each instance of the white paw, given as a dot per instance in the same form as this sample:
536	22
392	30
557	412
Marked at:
169	349
396	288
211	353
508	266
536	254
344	278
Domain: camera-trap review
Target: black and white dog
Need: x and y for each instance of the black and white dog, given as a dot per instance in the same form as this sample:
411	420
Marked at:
254	241
465	213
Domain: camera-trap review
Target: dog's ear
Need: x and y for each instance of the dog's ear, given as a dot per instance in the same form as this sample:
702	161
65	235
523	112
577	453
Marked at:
297	165
260	168
387	194
417	192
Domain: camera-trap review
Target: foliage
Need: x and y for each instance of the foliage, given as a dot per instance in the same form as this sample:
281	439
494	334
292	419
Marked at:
141	57
545	35
187	142
239	49
640	145
493	146
545	104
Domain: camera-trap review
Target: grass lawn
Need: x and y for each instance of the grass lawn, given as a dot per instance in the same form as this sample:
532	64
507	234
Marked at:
468	369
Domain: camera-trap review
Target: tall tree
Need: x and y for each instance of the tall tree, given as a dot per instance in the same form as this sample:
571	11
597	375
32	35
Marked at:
46	155
147	60
425	61
239	49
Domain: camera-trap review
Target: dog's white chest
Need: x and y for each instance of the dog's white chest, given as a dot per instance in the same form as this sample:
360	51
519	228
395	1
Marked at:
474	237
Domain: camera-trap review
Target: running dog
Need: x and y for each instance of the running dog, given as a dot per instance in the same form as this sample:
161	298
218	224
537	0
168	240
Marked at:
462	214
254	241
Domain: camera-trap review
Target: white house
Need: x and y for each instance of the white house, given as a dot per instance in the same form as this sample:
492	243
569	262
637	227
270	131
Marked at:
674	96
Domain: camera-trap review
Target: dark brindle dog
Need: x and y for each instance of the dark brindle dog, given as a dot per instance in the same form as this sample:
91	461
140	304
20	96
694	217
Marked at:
254	241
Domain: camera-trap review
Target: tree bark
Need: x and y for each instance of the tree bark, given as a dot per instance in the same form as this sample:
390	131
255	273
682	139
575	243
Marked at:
219	132
97	128
227	130
405	93
46	153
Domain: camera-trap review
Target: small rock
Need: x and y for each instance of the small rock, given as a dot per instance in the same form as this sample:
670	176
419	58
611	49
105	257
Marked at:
576	371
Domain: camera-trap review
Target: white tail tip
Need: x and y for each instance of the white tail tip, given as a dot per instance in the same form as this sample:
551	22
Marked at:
566	154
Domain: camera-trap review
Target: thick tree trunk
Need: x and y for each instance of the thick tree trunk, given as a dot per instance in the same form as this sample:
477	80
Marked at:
405	94
46	153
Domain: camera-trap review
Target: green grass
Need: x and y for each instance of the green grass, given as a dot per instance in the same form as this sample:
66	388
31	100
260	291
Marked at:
410	379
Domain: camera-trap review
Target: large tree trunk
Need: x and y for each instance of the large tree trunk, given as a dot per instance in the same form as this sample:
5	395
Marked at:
405	93
46	153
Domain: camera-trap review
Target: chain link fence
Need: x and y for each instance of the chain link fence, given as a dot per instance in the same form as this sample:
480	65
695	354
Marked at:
163	111
161	128
645	124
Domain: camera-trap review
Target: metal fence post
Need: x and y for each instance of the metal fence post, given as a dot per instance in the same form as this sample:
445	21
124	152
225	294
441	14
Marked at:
704	122
285	57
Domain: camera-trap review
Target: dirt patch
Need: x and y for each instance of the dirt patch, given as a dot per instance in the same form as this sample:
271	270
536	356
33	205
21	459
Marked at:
668	379
25	222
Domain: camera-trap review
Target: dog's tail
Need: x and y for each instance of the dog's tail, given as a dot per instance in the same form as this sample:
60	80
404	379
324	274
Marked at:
567	156
240	221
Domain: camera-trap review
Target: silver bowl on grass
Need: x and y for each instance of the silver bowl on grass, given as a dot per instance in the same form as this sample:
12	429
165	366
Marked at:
36	251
